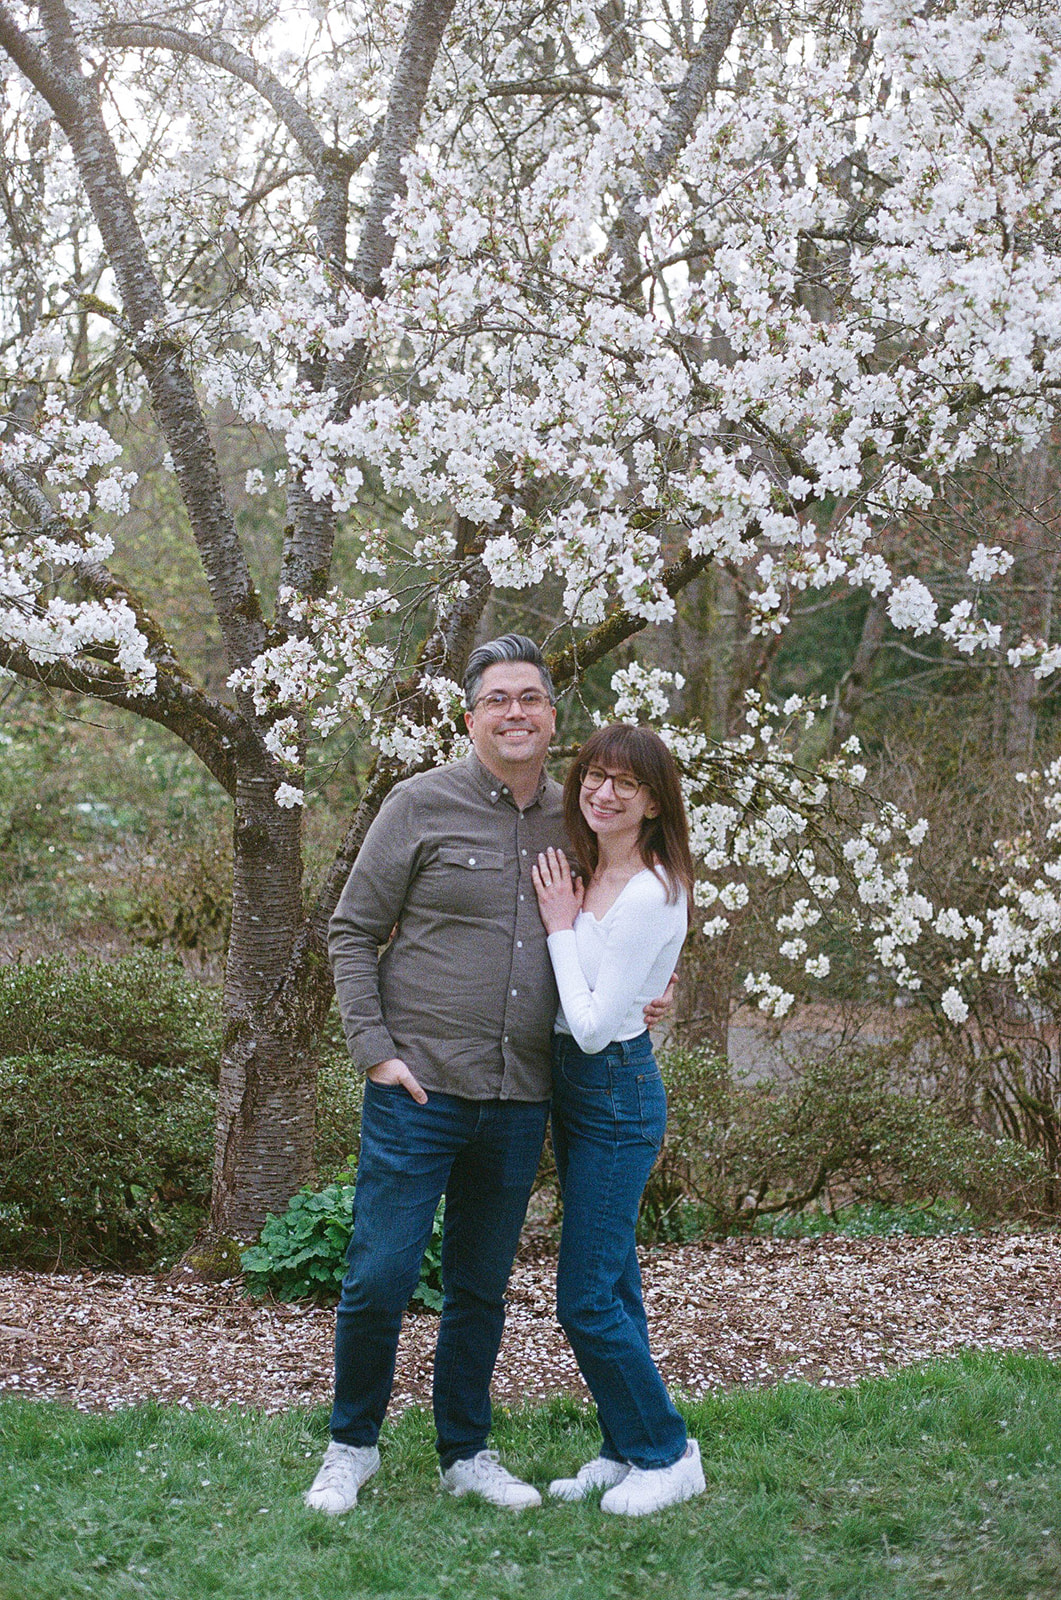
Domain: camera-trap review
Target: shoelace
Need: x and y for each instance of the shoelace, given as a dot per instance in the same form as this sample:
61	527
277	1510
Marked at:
334	1473
488	1465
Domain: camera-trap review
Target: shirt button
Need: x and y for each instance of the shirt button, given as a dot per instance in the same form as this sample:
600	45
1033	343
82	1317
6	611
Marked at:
471	861
515	991
523	897
505	1039
493	794
523	852
519	944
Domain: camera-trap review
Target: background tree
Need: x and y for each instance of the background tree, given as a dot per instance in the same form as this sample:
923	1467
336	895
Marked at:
559	309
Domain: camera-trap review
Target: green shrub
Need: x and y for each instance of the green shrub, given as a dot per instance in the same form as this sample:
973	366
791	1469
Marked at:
140	1008
845	1123
106	1109
137	1038
104	1160
340	1089
184	901
303	1252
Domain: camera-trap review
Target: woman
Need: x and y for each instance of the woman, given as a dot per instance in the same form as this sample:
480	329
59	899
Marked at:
614	938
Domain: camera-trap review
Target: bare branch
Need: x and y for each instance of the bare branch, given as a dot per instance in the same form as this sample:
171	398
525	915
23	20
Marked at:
186	712
219	53
700	81
27	55
405	106
554	87
308	547
851	691
75	102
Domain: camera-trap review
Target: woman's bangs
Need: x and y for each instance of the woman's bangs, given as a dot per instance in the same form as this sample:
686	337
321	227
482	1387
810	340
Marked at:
621	748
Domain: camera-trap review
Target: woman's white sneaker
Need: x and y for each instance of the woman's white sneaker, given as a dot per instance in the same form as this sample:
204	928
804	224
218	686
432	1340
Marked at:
644	1490
484	1475
600	1473
344	1469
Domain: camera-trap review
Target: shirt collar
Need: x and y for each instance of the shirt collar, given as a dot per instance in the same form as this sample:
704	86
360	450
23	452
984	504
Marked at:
492	787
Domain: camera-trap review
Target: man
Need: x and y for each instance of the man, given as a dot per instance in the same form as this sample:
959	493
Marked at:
452	1024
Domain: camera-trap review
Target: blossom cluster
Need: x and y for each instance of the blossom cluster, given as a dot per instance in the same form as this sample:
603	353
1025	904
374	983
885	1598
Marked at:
809	840
77	460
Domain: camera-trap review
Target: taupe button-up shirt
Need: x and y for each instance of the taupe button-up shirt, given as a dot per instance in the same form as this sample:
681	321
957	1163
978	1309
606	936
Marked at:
464	991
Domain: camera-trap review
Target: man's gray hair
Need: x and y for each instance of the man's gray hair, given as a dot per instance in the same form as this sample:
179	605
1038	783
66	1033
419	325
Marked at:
510	647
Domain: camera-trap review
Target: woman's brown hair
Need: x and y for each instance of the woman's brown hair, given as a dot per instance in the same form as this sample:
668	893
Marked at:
664	841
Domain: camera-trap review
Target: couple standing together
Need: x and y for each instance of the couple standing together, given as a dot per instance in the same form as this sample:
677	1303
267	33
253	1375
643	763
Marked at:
463	877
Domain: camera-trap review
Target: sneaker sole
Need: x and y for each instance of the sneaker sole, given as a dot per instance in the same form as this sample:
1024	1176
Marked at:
650	1511
502	1505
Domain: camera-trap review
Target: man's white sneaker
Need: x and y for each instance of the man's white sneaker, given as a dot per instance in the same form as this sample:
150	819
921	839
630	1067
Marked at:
485	1476
600	1473
644	1490
344	1469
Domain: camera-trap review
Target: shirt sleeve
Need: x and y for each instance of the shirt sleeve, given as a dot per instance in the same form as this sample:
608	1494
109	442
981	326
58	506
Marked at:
368	911
636	934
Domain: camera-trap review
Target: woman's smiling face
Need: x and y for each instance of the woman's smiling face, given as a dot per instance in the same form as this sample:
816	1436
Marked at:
612	816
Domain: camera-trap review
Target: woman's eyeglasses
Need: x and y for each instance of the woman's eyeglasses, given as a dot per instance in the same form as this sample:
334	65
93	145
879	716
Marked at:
623	784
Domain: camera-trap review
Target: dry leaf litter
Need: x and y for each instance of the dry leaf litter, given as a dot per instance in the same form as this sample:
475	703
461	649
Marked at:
736	1312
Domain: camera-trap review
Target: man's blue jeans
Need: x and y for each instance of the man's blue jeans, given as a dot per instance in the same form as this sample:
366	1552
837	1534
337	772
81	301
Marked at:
609	1116
483	1154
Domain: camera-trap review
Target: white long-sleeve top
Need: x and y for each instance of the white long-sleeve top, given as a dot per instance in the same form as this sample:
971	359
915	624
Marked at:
608	968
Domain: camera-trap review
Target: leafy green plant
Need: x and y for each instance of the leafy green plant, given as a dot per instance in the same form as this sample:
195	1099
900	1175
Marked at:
157	1034
104	1159
106	1109
185	903
302	1252
92	820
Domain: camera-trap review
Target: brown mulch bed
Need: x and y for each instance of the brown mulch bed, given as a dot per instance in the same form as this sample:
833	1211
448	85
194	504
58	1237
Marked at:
721	1314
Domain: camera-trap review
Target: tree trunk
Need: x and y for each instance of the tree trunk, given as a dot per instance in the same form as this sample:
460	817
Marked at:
1035	572
266	1098
853	686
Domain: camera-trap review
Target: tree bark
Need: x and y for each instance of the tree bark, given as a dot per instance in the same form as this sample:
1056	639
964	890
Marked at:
266	1099
1036	574
855	682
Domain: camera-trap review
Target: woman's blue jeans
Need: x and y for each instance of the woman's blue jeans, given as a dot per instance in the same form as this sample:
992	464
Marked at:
483	1154
609	1113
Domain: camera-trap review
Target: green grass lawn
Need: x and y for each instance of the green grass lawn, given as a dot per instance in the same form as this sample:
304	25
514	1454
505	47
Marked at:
940	1481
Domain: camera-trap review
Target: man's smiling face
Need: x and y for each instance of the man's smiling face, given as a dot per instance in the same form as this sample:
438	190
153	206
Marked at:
509	740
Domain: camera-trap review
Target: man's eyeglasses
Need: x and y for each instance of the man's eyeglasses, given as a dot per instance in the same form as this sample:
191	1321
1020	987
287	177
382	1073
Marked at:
529	700
623	784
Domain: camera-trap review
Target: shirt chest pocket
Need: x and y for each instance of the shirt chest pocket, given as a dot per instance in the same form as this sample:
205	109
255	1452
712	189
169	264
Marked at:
468	882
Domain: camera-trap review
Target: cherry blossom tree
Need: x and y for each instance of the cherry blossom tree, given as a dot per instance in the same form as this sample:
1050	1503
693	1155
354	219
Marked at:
573	300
